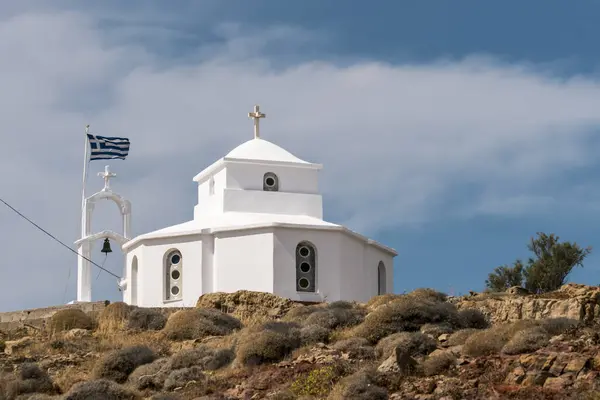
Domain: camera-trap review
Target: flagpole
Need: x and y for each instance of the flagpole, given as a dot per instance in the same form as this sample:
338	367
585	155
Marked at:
85	166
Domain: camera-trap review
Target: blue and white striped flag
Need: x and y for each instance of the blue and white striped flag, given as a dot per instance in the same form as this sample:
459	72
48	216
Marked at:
104	148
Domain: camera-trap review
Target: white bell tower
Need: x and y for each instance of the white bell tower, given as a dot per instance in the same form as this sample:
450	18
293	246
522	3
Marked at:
85	243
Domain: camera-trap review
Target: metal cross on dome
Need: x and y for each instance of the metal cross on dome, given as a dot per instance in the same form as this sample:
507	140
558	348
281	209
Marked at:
106	175
256	115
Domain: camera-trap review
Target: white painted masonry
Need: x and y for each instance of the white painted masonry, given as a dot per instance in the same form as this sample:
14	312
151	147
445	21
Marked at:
255	207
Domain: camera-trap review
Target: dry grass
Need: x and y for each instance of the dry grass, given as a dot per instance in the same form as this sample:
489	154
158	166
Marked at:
198	323
179	378
67	319
208	359
271	342
114	318
413	343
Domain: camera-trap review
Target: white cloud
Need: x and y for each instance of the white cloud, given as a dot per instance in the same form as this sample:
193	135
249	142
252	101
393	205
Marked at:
397	141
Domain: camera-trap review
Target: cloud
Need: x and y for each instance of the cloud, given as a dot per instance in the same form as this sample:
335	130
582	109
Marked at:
401	144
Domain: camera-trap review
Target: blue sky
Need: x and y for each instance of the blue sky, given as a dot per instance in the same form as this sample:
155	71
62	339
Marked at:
452	132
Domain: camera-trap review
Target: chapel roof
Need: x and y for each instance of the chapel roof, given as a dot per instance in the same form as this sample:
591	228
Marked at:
262	150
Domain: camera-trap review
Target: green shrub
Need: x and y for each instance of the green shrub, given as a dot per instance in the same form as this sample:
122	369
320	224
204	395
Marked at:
99	389
357	348
30	379
527	341
150	376
117	365
428	294
146	319
413	343
70	318
558	326
408	313
312	334
204	357
359	386
332	318
268	343
317	382
438	363
180	377
198	323
435	330
492	340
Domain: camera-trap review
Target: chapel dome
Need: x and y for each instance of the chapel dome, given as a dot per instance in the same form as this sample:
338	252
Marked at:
263	150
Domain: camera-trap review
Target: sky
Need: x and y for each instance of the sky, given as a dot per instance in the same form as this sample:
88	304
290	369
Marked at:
452	133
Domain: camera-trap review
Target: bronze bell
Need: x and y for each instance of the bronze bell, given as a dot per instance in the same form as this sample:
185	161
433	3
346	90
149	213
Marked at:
106	247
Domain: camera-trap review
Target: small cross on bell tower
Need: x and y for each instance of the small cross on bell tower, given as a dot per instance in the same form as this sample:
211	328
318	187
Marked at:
106	175
256	115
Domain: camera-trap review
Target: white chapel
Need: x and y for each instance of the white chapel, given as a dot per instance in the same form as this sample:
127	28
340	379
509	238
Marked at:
258	225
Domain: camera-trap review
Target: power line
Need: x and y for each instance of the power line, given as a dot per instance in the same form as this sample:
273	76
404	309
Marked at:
53	237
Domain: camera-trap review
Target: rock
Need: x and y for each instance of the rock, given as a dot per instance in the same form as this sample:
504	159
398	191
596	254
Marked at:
516	376
400	362
579	302
536	379
245	304
77	333
443	337
559	383
576	365
12	346
518	290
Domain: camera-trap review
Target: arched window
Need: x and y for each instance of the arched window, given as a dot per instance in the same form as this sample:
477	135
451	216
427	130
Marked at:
173	275
381	278
134	281
306	267
270	182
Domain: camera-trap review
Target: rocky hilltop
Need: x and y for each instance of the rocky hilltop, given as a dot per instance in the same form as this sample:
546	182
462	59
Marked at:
246	345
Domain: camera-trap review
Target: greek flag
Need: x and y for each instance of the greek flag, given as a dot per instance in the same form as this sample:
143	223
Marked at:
104	148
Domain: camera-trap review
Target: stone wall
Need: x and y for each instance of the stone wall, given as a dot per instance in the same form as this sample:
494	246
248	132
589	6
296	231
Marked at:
37	317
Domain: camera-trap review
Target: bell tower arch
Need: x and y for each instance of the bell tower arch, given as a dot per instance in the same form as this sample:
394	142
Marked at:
85	243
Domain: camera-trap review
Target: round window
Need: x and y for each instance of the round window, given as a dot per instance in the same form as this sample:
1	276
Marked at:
175	274
305	267
270	181
303	283
175	290
175	258
304	251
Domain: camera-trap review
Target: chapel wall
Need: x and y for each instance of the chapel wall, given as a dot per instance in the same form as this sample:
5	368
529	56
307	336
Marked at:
243	261
356	277
373	256
291	179
152	273
327	244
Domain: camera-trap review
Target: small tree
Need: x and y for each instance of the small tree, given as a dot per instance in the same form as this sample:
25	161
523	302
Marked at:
553	262
505	276
546	271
